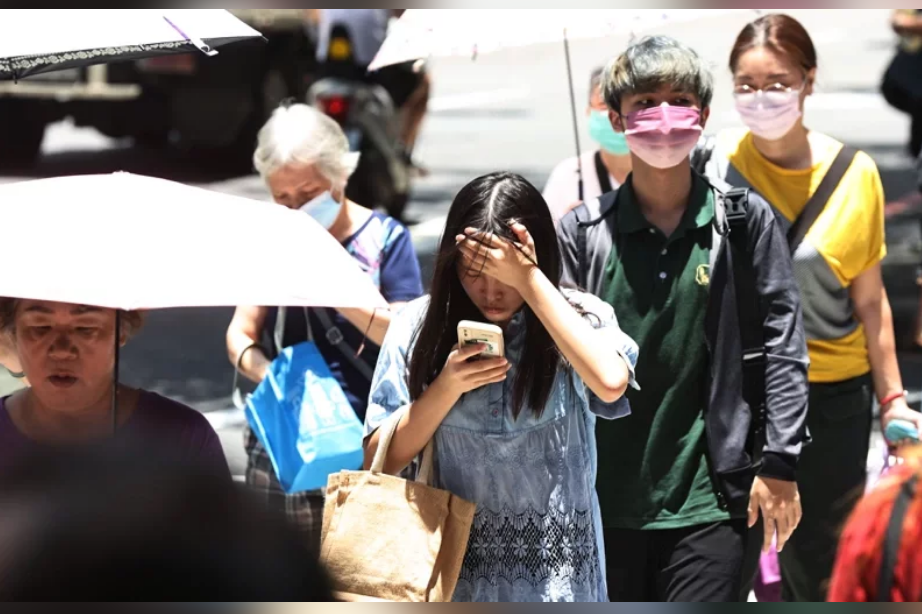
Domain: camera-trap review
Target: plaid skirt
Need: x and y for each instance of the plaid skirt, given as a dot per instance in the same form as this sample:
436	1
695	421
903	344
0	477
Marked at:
304	511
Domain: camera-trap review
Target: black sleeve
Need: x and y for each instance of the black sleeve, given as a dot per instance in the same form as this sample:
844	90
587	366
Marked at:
787	362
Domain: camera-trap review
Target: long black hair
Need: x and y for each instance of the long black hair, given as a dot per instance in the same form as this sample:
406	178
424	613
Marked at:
490	204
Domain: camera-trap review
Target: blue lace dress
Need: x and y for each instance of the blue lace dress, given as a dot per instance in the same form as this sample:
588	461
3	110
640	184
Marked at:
537	534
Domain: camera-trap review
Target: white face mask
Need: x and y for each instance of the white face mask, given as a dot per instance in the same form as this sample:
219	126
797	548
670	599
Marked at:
770	115
324	209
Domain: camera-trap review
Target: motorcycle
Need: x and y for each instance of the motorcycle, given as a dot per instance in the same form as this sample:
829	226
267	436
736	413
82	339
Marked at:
371	124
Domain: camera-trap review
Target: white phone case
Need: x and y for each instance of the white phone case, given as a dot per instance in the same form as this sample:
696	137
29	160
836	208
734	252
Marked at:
470	333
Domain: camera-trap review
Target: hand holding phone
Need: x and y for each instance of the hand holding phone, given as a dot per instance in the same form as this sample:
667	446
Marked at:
473	333
477	361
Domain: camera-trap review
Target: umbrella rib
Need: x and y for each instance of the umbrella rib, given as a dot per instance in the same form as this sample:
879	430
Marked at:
202	46
579	149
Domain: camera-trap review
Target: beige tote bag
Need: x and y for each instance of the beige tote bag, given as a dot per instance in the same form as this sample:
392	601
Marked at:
386	538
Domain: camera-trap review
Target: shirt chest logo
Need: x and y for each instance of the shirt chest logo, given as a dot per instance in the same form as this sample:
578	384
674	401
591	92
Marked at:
703	275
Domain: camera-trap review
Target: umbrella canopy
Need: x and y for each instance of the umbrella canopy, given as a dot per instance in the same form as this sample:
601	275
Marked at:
424	33
34	41
130	242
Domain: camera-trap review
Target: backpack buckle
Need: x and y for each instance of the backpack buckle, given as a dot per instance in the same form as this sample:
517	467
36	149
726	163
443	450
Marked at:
335	336
735	202
754	357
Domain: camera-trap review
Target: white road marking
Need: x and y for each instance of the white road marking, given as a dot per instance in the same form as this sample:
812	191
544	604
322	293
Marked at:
226	418
64	136
847	101
470	100
431	229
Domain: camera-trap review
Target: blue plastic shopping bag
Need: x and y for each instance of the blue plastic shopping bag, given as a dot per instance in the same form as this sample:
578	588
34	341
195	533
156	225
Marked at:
302	418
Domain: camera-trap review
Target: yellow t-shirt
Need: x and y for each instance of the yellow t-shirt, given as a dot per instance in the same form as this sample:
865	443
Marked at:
846	241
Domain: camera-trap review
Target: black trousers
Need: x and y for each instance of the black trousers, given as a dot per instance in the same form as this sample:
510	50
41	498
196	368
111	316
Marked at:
704	564
831	475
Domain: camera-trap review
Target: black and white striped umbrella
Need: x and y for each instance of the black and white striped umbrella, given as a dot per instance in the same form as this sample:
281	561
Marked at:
35	41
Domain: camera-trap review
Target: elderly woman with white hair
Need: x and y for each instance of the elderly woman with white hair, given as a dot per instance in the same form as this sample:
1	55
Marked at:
304	159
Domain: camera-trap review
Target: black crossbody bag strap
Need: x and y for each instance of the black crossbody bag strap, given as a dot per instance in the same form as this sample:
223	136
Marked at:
817	203
335	338
582	250
602	171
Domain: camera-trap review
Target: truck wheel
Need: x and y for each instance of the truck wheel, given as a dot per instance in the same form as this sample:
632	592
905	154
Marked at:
22	130
153	139
238	155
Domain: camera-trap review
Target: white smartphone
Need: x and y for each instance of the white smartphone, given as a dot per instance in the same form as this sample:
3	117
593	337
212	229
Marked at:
472	333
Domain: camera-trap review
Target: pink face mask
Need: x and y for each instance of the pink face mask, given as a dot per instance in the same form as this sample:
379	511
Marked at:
770	115
663	136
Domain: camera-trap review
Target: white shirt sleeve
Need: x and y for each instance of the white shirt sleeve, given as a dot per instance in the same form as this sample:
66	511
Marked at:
562	189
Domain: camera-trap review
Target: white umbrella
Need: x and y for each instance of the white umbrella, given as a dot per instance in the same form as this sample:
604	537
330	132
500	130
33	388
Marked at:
34	41
130	242
426	33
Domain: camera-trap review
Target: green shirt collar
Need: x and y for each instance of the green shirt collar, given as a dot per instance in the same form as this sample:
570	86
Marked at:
700	211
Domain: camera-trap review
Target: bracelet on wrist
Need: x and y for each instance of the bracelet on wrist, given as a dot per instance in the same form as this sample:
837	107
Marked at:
252	346
889	399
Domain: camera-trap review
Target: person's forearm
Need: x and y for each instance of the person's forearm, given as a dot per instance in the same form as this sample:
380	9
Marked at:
416	429
375	322
602	369
254	364
877	318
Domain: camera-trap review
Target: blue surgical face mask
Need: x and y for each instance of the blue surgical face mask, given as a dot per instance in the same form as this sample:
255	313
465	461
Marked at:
324	209
602	133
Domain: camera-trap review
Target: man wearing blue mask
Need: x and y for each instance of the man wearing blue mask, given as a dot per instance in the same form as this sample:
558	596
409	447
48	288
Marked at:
604	169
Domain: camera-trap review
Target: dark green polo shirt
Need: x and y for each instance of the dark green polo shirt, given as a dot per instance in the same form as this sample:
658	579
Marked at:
653	467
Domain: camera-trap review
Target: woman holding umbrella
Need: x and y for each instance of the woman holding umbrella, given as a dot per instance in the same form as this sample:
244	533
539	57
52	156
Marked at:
67	352
303	156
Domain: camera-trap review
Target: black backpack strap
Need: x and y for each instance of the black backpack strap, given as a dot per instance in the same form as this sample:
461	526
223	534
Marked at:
607	205
749	310
602	171
817	203
702	154
582	247
894	538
